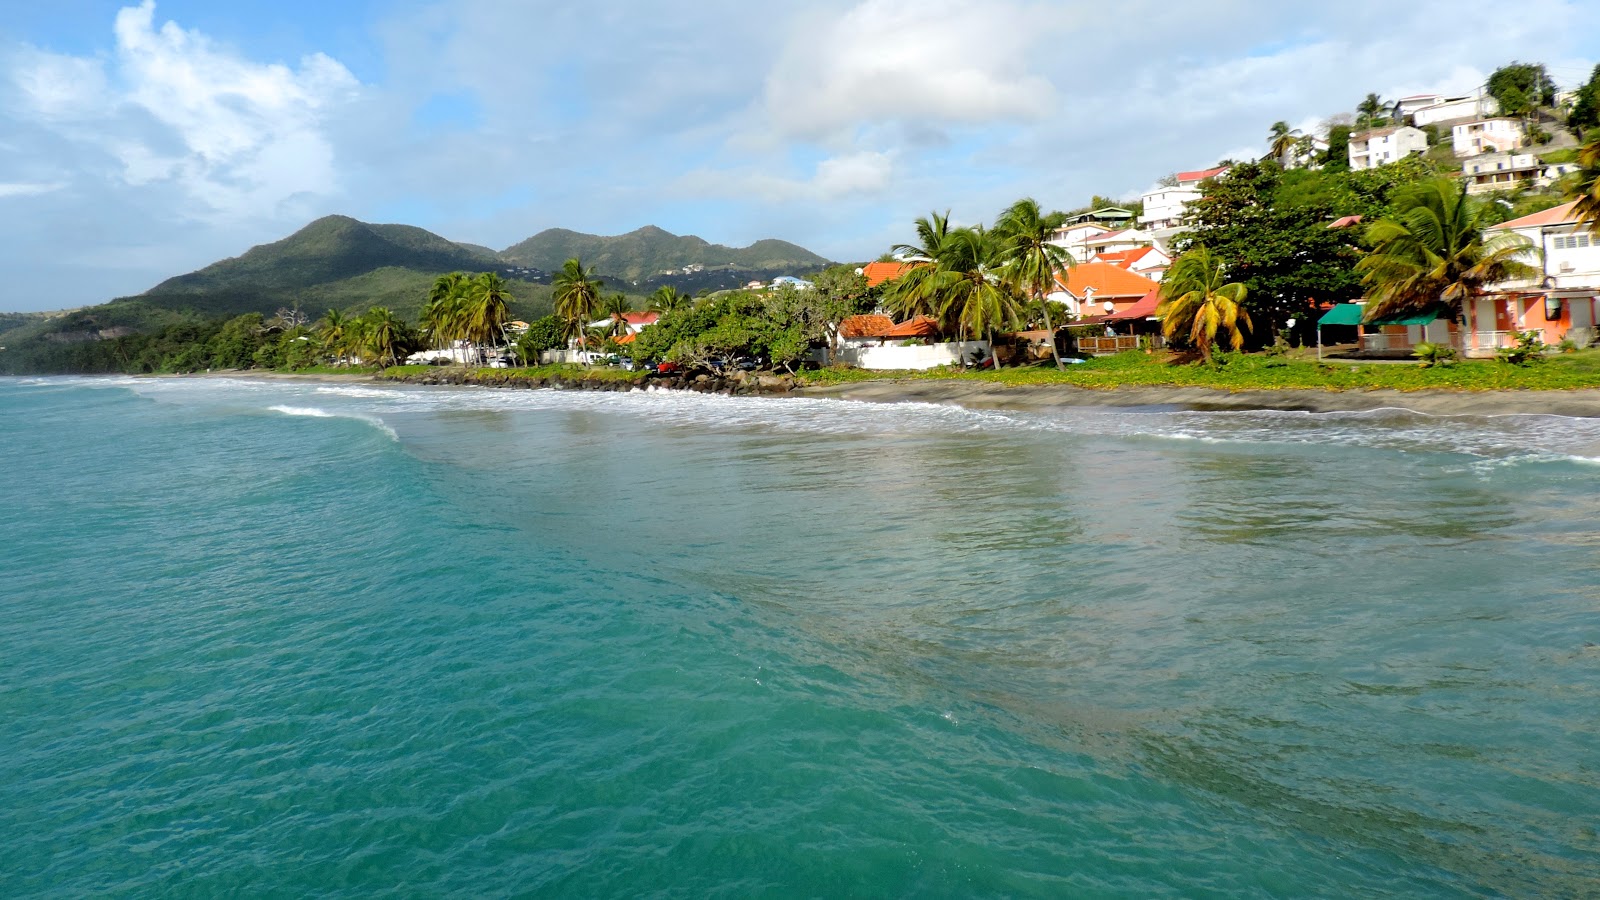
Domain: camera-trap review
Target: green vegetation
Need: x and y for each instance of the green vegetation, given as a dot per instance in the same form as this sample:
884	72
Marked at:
1585	113
1198	300
1586	186
1432	253
779	326
1244	372
651	250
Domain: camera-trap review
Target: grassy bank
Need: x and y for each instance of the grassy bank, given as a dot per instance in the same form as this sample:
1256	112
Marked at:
1242	372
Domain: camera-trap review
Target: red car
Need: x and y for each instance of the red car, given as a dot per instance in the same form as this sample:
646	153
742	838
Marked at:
668	368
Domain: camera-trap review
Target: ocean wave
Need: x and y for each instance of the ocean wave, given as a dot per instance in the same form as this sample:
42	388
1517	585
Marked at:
319	413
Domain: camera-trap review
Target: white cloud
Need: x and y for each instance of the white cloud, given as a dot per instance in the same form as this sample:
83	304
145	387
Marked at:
29	189
937	61
239	138
853	175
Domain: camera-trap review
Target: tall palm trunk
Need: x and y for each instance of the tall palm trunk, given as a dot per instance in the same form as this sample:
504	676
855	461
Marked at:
1055	353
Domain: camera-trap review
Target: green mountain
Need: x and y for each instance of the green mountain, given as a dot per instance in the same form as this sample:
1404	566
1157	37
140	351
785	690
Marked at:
651	251
328	250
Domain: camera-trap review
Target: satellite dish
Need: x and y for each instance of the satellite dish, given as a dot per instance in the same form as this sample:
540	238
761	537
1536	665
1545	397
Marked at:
1108	306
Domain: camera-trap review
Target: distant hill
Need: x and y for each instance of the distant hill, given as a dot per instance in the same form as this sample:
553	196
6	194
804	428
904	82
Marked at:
650	251
330	249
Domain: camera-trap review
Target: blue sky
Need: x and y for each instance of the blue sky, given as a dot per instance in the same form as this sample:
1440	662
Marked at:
141	140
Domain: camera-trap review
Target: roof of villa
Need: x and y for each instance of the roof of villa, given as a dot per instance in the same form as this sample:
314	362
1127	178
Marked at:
1105	279
877	273
865	326
921	326
1201	174
1556	215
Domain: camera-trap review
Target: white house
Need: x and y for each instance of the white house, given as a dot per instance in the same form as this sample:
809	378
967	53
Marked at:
1117	241
1476	105
1150	262
1502	172
1486	136
1164	206
1561	301
1075	237
1409	106
1381	146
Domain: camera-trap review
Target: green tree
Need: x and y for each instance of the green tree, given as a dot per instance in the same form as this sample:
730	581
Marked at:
1585	187
383	336
1369	111
334	334
614	308
1337	159
1281	141
1530	81
1432	253
965	285
486	309
444	313
1585	112
577	295
1197	301
668	299
1029	259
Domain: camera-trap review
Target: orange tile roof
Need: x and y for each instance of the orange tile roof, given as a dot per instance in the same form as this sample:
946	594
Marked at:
1201	174
1556	215
641	318
1106	279
628	338
877	273
1345	222
921	326
867	326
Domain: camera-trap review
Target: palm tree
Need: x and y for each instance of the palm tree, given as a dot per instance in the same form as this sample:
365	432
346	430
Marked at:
577	294
1368	111
1031	261
1281	140
615	308
931	232
668	299
913	293
1586	186
1432	252
1197	297
961	284
336	332
443	314
486	309
382	335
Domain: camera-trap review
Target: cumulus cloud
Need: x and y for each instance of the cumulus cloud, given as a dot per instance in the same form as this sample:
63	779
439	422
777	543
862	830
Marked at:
29	189
853	175
238	137
937	61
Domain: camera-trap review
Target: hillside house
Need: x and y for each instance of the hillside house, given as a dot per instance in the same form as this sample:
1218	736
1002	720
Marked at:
1165	206
1502	172
1099	289
1564	300
1477	105
1074	238
1382	146
1486	136
1150	262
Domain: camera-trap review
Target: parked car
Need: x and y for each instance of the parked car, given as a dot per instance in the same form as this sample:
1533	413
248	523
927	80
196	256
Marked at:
668	368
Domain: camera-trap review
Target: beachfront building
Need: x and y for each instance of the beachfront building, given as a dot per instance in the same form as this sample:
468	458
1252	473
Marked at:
1165	206
1563	301
1099	289
1486	136
1381	146
1476	105
875	341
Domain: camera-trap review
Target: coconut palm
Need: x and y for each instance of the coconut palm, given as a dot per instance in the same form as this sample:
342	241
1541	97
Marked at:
931	232
614	308
668	299
1031	261
914	292
577	294
1432	253
486	309
972	291
443	314
1281	140
1369	111
1197	298
382	335
336	332
1586	186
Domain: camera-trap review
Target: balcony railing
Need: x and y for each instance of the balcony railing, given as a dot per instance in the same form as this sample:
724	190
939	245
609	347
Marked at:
1121	342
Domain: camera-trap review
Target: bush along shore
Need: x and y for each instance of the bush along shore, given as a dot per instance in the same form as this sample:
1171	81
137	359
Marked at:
594	379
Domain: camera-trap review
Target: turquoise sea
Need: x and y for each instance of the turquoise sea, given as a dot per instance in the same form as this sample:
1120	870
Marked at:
341	640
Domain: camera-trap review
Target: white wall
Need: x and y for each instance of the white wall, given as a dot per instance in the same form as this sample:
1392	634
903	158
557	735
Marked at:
1459	108
925	357
1164	207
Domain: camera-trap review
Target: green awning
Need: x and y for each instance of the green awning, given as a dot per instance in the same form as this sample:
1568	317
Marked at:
1343	314
1413	319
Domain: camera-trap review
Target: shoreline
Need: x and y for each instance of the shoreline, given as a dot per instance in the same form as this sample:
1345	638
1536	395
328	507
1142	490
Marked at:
1577	403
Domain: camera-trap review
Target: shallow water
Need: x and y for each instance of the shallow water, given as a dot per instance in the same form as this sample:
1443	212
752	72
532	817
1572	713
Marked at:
288	638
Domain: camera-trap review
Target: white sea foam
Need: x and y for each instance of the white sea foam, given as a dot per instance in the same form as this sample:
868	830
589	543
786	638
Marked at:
318	413
303	411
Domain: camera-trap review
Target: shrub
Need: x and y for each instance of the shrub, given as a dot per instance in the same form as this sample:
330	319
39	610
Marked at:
1430	354
1528	349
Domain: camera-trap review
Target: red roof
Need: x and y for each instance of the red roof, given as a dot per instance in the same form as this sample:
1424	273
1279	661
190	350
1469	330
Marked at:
1556	215
867	326
1122	259
1201	175
1107	280
921	326
641	318
628	338
1345	222
1144	309
877	273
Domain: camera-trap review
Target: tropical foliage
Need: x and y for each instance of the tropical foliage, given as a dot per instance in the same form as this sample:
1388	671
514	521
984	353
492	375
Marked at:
577	296
1586	186
1432	253
961	281
1198	301
1031	261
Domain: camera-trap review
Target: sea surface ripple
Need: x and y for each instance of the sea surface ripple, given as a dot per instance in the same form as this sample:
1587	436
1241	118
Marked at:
281	638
